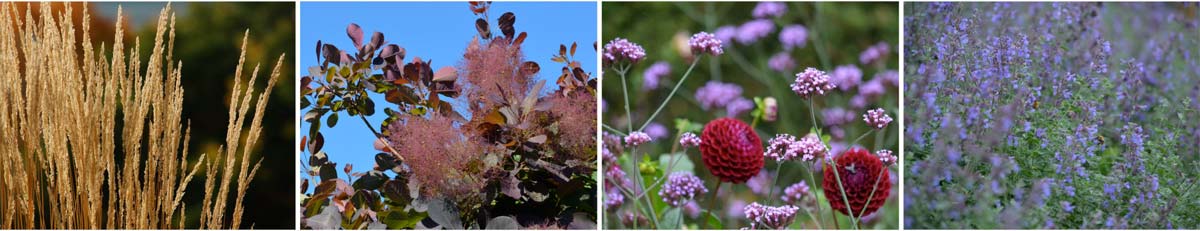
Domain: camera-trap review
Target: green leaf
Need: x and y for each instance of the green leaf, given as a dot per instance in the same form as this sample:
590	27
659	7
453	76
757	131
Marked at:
400	218
712	220
371	181
503	222
332	120
329	218
445	214
683	164
670	219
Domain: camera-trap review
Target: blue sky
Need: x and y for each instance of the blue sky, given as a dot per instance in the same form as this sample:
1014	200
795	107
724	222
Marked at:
438	32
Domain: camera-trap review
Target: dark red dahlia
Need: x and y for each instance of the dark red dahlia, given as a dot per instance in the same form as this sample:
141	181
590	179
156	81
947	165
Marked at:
859	171
731	150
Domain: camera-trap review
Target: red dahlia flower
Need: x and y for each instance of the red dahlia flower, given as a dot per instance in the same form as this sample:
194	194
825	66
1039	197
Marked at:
859	171
731	150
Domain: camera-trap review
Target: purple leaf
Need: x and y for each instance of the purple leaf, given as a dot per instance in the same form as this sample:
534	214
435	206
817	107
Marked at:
356	34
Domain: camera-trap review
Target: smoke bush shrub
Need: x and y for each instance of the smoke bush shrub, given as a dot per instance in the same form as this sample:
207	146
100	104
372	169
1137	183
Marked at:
514	157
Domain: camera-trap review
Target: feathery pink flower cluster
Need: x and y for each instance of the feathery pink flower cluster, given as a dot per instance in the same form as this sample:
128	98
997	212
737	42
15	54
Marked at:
811	82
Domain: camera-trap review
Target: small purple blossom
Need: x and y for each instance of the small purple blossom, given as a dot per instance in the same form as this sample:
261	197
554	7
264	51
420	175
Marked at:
796	194
872	89
752	31
680	188
689	139
837	116
846	77
704	42
738	106
656	131
771	217
620	49
769	9
781	62
655	72
613	198
782	148
886	157
725	34
637	138
793	36
877	118
717	94
874	53
810	147
811	82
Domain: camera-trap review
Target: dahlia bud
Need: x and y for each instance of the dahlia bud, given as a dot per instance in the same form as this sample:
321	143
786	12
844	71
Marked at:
770	109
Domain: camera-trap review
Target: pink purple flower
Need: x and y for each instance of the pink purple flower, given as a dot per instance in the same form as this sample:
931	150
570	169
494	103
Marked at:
781	62
837	116
795	194
637	138
846	77
704	42
689	139
771	217
810	147
782	148
886	157
811	82
752	31
793	36
890	77
656	131
874	53
652	74
717	94
725	34
877	118
613	198
680	188
873	88
738	106
769	9
620	49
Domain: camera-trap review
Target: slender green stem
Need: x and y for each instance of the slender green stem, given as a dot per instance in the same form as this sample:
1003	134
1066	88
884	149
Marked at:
775	180
664	103
614	130
816	40
712	202
637	177
872	195
813	181
625	92
812	112
845	199
860	137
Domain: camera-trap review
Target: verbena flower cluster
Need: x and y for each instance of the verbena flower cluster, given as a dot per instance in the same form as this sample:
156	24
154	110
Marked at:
1051	116
620	49
681	187
769	216
812	82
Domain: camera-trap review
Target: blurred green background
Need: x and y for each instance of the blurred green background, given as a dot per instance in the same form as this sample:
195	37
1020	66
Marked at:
208	42
837	34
